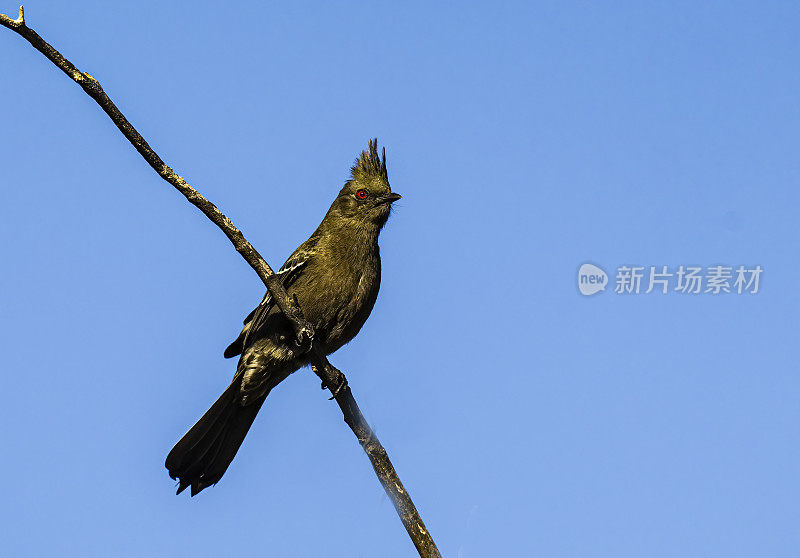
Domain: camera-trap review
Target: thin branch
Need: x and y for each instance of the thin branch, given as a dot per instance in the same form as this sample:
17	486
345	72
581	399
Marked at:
331	378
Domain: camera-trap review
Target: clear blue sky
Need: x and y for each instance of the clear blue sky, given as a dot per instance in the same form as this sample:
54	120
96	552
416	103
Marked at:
527	139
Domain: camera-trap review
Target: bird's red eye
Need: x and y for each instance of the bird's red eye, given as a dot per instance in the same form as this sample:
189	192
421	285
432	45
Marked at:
361	194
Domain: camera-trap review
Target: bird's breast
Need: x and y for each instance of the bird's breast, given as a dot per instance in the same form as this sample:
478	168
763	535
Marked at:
339	296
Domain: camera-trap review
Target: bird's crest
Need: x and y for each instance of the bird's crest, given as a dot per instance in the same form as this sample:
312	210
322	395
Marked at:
369	164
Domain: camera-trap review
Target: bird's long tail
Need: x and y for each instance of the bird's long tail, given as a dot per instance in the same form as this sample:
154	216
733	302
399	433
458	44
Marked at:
202	456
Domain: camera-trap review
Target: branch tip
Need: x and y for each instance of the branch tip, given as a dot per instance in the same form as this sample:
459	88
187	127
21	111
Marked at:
13	23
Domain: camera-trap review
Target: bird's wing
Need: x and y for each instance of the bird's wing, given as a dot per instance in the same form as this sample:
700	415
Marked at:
288	273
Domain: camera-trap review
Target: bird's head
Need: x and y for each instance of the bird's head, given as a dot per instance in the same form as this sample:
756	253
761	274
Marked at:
366	199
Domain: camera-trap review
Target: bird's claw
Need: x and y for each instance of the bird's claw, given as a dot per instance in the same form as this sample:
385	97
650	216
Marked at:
304	340
305	337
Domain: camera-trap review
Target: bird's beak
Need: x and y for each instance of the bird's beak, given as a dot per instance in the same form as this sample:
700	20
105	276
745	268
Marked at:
390	198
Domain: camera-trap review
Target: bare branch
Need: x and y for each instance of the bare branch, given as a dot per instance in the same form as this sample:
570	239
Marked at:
332	378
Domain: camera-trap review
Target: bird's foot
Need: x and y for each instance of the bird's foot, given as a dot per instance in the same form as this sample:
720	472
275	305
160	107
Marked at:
305	337
304	341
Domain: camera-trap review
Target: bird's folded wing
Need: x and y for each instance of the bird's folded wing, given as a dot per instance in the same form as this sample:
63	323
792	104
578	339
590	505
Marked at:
288	273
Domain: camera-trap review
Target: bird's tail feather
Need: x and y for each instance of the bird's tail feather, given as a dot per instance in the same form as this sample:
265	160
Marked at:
202	456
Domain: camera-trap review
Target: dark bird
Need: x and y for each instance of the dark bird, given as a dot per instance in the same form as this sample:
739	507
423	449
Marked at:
335	276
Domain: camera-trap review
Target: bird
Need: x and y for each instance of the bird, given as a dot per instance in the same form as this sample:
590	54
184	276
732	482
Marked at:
334	277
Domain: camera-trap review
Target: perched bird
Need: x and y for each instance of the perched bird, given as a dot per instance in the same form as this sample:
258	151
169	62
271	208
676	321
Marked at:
334	276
